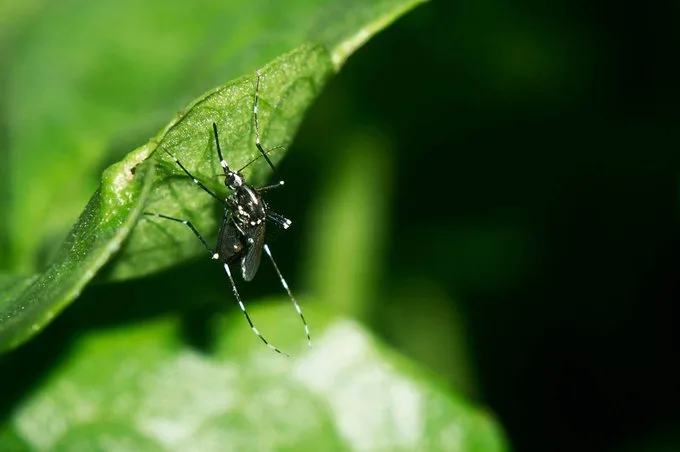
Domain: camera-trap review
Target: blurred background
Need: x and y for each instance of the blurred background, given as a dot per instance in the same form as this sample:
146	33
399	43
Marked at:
503	179
521	159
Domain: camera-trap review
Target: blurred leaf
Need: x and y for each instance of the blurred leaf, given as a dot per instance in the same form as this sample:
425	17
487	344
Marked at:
289	85
422	314
347	393
345	249
13	13
12	285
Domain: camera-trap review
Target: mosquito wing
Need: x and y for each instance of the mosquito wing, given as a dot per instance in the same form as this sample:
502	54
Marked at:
253	254
230	243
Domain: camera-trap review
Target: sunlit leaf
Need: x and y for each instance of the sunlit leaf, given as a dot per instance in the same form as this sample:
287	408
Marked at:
142	388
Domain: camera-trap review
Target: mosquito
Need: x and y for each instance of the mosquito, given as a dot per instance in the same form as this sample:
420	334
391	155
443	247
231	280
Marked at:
241	238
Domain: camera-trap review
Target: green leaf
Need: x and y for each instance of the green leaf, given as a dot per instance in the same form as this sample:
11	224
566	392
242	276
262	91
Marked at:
142	388
85	88
97	234
287	87
67	140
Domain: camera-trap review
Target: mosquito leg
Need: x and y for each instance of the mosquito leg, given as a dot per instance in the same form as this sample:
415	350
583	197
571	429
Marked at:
267	188
290	294
269	151
257	130
223	163
245	313
280	220
188	224
196	181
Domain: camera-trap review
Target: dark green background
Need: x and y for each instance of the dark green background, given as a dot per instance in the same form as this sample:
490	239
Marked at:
535	188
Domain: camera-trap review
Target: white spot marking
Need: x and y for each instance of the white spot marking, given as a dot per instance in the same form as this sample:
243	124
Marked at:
215	256
253	197
223	163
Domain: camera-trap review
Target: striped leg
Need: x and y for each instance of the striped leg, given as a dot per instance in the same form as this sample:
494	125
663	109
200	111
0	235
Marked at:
245	313
193	178
280	220
188	224
257	130
290	294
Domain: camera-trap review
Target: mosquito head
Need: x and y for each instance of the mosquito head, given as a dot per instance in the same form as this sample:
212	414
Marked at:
233	180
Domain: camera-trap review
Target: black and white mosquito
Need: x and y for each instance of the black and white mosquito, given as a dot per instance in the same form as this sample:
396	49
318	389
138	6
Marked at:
241	236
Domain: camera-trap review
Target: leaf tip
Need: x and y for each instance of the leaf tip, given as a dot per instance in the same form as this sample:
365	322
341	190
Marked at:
351	44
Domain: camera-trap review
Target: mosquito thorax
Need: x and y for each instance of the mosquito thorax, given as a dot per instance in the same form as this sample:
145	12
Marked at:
248	206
